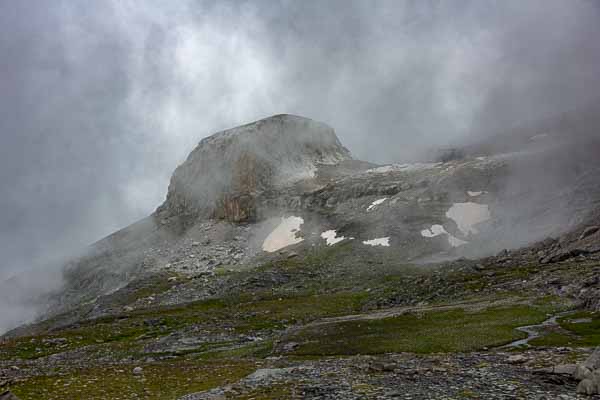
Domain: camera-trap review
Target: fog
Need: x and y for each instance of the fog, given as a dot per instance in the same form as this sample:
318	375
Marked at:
102	100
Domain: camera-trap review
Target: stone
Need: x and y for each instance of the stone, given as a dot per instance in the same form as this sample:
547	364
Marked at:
138	371
565	369
517	359
581	372
587	386
389	367
593	361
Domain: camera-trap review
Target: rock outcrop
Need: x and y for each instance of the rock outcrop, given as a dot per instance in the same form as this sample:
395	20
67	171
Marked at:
225	176
588	373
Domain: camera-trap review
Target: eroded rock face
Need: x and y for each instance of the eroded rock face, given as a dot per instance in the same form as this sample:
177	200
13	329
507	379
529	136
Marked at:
225	176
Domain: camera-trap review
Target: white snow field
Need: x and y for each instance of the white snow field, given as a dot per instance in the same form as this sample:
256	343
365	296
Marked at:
376	203
331	237
435	230
385	242
284	234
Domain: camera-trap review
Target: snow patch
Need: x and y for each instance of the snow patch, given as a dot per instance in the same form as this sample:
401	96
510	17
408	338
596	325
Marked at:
475	194
376	203
331	237
437	230
385	241
284	234
468	215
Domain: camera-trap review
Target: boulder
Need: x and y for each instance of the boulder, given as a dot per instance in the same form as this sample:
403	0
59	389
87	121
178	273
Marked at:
588	373
564	369
593	361
581	372
587	386
517	359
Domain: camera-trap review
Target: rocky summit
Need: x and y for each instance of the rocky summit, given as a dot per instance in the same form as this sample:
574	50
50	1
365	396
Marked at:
227	175
280	267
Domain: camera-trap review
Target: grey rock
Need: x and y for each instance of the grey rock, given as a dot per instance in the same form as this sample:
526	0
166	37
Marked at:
593	361
227	170
564	369
587	386
581	372
517	359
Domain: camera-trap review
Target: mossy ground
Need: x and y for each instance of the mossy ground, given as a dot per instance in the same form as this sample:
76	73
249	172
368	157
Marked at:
577	329
456	330
269	300
166	380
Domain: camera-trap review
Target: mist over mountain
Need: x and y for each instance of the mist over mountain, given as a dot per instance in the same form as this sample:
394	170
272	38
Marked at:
157	155
141	83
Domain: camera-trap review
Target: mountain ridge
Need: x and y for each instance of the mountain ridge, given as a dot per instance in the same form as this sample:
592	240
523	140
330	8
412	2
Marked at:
300	251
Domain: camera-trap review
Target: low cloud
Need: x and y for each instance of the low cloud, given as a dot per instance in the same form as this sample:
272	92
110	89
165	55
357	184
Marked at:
102	100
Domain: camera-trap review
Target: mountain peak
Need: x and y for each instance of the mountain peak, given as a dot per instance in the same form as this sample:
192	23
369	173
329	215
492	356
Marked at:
227	172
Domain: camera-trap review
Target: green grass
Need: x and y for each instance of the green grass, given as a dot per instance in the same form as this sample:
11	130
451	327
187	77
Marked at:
167	380
572	332
440	331
241	315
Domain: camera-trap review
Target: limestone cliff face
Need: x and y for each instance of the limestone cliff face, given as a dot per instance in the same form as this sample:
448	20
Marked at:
227	173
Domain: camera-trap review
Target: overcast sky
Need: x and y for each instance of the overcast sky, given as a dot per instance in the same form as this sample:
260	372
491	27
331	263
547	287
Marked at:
100	100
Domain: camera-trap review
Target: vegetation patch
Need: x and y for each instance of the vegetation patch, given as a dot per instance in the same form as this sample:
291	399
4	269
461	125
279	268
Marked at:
455	330
578	329
157	381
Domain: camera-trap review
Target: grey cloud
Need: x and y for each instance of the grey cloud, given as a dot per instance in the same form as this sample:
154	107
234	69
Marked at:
101	100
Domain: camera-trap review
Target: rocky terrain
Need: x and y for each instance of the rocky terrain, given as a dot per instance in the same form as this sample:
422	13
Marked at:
280	267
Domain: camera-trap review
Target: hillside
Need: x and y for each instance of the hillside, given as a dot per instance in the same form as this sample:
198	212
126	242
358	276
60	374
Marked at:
281	267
